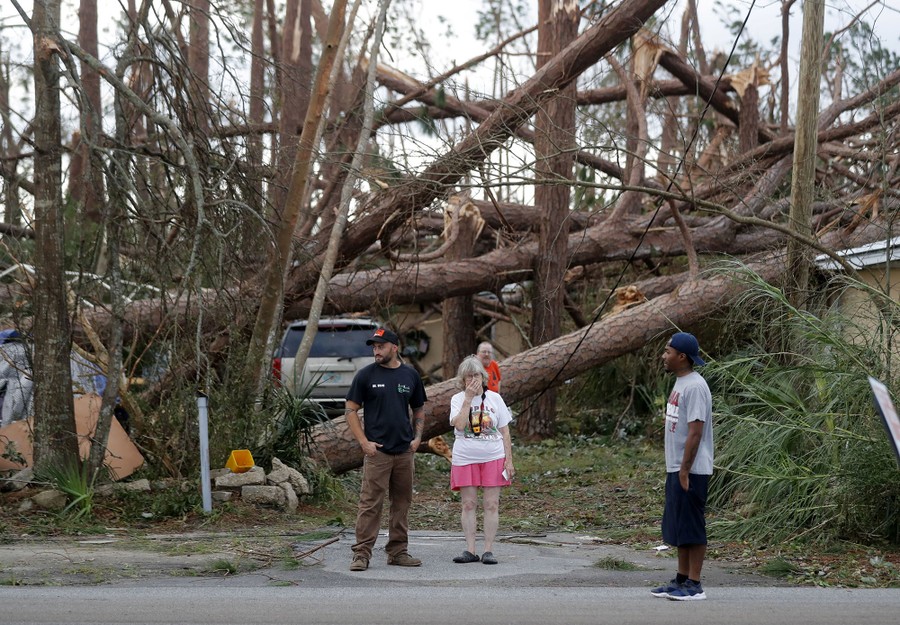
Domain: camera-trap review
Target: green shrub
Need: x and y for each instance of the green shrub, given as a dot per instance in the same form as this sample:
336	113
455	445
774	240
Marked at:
800	450
76	480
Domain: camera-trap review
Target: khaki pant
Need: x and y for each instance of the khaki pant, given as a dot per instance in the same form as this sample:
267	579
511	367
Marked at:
382	473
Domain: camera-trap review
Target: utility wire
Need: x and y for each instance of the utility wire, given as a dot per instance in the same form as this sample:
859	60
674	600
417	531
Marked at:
586	330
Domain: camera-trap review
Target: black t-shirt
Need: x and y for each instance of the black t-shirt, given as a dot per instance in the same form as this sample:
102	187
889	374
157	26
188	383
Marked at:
386	396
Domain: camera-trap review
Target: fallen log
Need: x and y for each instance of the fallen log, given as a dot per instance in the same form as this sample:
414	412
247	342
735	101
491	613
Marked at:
552	363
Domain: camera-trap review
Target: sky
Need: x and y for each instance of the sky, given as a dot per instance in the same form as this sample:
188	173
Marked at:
763	24
434	16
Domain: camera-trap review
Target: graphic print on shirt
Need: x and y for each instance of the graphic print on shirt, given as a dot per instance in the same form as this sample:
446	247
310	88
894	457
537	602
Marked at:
672	411
481	424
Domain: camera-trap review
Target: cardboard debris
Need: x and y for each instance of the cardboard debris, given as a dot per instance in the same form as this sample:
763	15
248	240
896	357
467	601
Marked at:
122	456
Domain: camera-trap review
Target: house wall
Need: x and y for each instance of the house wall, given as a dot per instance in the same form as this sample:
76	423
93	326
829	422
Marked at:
858	305
505	337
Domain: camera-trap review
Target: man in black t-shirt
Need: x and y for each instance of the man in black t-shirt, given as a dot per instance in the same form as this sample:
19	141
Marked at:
386	390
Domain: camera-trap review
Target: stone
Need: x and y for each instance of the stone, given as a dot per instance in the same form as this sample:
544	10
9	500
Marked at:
104	490
291	501
52	500
26	506
300	484
17	481
217	473
137	486
280	472
222	495
141	486
272	496
283	473
254	477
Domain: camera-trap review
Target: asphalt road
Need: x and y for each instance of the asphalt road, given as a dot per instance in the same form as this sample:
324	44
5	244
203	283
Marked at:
540	580
412	603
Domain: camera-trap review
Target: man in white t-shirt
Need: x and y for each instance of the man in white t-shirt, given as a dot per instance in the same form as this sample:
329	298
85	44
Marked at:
689	465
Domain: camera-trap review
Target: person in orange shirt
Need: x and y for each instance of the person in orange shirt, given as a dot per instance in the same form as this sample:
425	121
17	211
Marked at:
485	354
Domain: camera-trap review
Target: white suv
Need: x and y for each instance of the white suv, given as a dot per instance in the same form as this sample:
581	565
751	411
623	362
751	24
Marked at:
338	352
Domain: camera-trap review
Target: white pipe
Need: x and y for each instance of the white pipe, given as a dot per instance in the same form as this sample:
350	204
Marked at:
205	487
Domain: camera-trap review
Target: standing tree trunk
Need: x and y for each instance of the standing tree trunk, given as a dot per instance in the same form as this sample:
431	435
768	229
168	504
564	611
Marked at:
273	278
554	147
85	174
458	315
804	167
252	234
747	131
198	61
784	65
55	442
296	77
9	164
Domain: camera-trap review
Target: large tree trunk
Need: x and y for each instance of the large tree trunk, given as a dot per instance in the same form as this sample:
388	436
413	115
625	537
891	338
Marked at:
257	104
554	148
55	442
458	315
526	373
804	163
198	62
9	164
294	92
272	296
567	356
85	175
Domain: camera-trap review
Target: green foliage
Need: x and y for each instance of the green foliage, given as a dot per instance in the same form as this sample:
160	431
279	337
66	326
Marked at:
288	433
611	563
500	18
618	399
175	502
225	567
862	59
800	451
779	567
76	480
326	487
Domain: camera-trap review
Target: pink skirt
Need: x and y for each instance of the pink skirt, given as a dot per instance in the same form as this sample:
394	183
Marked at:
478	474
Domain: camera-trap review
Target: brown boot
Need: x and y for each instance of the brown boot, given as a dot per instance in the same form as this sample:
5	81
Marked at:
360	563
403	559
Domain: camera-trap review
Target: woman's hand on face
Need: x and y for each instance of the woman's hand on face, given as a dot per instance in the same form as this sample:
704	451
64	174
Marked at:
473	386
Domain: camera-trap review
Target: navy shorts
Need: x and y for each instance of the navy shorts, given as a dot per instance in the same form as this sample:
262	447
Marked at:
684	517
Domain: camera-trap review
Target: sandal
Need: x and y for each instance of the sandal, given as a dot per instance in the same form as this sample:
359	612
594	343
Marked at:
466	558
488	558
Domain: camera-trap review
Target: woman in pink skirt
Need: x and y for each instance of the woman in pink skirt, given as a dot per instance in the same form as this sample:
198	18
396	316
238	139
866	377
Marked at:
482	455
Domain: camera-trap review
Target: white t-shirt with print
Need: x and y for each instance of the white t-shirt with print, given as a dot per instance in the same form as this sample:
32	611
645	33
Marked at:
690	400
492	414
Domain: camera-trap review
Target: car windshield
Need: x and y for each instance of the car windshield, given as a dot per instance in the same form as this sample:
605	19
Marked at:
331	342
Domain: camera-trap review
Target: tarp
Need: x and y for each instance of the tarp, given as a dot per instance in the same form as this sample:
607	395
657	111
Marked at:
122	456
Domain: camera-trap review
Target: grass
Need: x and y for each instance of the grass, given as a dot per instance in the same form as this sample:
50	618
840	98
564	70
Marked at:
225	567
609	489
779	567
610	563
574	484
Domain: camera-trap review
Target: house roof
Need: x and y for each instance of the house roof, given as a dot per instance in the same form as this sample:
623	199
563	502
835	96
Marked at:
877	253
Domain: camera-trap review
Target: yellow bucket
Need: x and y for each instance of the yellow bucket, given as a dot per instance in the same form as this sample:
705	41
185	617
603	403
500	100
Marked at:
240	461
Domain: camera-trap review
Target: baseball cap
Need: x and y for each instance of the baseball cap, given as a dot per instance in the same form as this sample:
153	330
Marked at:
383	336
687	344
